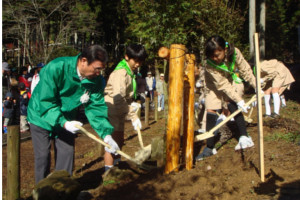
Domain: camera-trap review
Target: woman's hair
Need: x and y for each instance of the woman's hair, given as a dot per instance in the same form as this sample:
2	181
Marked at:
136	52
93	53
218	43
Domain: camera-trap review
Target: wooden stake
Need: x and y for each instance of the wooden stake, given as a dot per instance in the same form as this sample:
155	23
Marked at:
13	162
259	111
177	58
155	108
147	105
188	111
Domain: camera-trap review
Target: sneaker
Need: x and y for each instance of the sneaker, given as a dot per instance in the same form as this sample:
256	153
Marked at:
206	153
267	116
283	105
244	142
275	115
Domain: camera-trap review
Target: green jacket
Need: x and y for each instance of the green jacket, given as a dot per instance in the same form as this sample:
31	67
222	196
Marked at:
57	95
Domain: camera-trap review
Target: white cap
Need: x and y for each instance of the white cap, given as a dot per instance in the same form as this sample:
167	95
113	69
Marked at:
162	75
149	73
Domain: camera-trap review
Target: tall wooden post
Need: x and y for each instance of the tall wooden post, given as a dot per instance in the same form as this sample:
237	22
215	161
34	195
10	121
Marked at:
147	106
188	111
155	108
13	162
176	63
259	111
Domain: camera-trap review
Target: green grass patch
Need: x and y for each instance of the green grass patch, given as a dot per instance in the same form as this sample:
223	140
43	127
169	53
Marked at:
288	137
108	182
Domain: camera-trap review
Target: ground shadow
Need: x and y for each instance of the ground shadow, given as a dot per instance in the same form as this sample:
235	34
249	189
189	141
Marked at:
90	164
269	187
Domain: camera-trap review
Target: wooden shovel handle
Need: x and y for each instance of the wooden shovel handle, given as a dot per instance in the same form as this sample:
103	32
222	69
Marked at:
211	132
92	136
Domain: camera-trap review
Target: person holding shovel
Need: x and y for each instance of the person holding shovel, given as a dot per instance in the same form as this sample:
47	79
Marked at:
120	91
276	77
224	85
65	84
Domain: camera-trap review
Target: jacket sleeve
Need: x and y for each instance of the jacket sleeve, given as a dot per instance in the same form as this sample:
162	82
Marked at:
52	78
221	83
245	69
96	112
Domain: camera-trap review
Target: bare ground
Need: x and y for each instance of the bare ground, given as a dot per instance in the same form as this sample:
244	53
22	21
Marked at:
227	175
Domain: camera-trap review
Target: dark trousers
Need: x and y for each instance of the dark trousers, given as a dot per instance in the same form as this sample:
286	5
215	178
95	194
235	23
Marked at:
63	147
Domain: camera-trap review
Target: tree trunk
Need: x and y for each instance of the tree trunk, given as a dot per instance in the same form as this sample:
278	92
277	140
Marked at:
251	27
262	29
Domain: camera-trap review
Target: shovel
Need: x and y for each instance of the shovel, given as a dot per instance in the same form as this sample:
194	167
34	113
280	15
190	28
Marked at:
211	132
138	161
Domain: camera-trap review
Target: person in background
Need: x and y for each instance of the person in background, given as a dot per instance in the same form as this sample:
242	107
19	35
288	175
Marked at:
9	106
141	89
275	77
120	93
36	76
160	92
151	82
24	99
223	85
65	84
6	78
23	78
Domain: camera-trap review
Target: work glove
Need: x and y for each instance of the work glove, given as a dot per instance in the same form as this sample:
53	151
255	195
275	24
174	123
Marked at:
135	106
220	119
198	84
136	123
254	104
241	104
70	126
262	81
146	92
114	146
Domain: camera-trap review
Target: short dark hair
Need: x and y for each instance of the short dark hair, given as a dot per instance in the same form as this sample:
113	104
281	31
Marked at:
218	43
93	53
136	52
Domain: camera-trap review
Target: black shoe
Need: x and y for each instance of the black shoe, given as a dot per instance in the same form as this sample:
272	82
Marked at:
275	115
268	116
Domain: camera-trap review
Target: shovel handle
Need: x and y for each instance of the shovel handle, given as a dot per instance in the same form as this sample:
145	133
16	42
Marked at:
211	132
92	136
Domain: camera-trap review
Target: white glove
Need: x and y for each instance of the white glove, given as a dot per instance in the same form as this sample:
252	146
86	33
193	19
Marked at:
70	126
146	92
198	84
196	105
254	104
262	81
220	119
135	106
137	123
150	88
114	146
241	105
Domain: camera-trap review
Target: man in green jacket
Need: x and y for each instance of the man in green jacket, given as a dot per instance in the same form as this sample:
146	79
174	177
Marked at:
65	84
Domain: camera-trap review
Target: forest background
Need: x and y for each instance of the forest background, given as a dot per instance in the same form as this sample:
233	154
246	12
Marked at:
37	31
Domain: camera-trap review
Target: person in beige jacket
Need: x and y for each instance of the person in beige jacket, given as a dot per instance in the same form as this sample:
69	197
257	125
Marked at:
119	94
276	77
225	89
